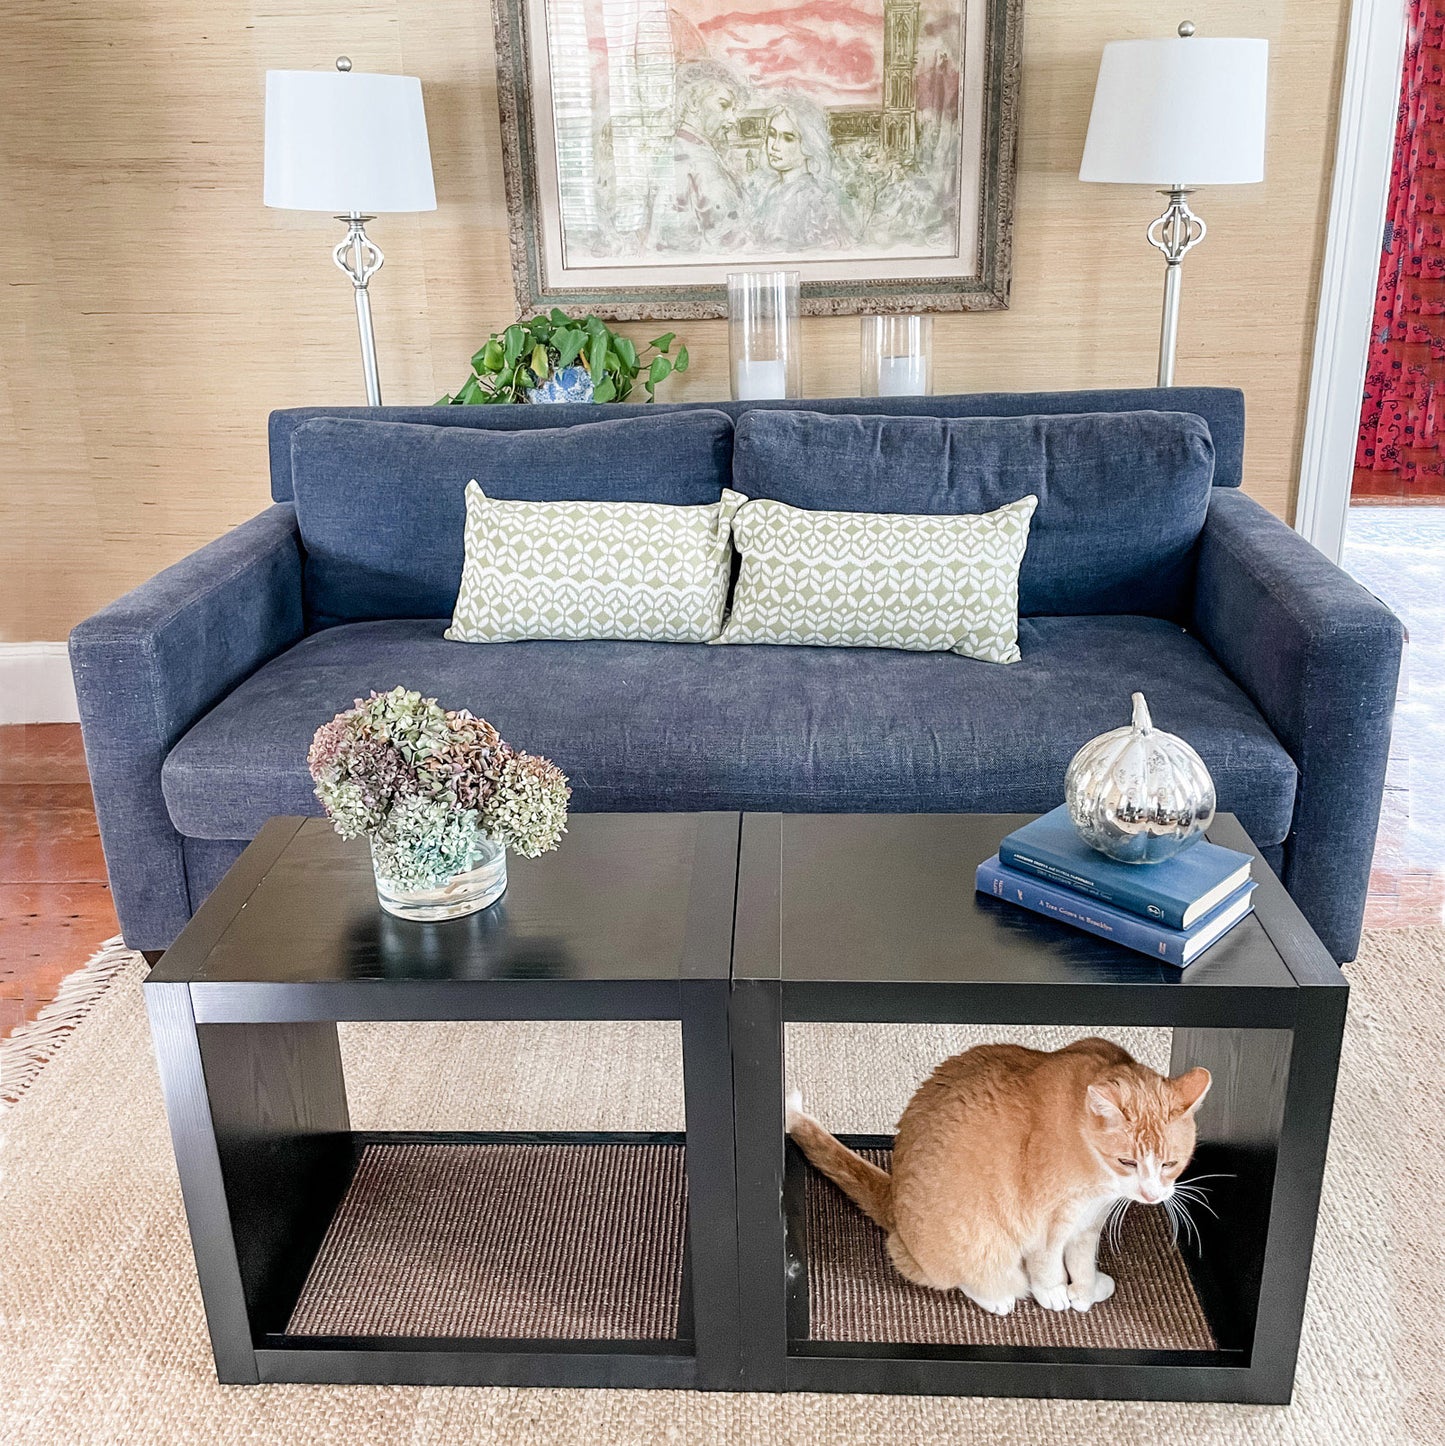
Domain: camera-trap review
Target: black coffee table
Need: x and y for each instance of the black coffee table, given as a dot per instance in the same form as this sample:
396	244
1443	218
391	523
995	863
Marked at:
874	918
711	1259
329	1254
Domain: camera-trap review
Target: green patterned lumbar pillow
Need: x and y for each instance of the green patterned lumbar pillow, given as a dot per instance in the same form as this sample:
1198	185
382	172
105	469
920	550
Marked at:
640	570
880	580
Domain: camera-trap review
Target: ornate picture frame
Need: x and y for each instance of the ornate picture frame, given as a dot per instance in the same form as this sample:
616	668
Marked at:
650	148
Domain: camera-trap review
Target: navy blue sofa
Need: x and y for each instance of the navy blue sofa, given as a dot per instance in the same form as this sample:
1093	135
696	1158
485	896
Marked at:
1148	568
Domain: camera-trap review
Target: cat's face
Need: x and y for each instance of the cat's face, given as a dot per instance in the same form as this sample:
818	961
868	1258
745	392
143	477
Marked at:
1142	1127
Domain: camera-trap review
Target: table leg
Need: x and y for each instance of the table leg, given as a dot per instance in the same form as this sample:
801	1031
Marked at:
262	1140
711	1186
193	1133
758	1085
1309	1099
1265	1128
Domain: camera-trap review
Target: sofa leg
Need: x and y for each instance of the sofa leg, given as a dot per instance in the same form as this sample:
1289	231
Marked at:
152	956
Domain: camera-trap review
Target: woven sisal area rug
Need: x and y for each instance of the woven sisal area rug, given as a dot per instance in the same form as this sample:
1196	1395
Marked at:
102	1338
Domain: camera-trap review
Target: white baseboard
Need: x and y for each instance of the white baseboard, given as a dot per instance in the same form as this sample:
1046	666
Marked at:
35	684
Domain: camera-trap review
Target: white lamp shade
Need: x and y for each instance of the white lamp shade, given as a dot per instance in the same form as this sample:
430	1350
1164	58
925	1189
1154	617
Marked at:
1178	112
342	141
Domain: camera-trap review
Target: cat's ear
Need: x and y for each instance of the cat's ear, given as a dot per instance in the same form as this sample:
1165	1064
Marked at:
1189	1090
1104	1101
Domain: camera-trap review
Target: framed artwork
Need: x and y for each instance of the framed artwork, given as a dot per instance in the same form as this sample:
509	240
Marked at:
652	146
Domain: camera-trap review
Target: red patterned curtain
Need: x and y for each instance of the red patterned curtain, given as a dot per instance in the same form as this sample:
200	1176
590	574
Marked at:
1399	453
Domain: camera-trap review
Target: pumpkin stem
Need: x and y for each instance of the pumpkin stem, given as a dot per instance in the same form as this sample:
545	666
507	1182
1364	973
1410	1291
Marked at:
1143	723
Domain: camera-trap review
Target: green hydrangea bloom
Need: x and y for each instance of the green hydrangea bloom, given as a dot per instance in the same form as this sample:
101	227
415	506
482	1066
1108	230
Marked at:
420	781
423	843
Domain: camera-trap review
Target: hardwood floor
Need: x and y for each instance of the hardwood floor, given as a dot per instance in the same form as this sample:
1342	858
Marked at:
1406	887
55	905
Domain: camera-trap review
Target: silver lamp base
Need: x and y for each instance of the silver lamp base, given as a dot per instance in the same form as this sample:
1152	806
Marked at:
361	258
1176	233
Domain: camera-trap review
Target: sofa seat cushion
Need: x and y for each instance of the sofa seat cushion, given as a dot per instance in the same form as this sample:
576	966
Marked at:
1121	496
688	726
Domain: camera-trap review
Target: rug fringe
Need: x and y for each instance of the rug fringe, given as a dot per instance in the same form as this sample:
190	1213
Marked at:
26	1051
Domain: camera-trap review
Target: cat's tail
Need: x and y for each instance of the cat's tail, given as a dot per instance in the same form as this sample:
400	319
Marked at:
868	1187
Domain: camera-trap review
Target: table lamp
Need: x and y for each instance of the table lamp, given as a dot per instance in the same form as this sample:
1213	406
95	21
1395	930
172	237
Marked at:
353	145
1176	114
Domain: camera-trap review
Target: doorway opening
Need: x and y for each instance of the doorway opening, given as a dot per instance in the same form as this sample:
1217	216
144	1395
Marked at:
1395	533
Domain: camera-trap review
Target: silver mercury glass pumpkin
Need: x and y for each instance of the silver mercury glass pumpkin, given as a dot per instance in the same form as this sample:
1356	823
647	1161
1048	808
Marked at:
1139	794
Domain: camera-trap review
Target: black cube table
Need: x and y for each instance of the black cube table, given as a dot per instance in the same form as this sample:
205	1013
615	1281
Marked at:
874	918
329	1254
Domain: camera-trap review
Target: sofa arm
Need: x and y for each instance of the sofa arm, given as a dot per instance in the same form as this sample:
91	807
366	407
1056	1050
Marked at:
146	668
1320	657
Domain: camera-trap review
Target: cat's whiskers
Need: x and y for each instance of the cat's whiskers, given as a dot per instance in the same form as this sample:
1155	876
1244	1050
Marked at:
1198	1194
1114	1223
1195	1196
1198	1238
1171	1211
1179	1215
1190	1228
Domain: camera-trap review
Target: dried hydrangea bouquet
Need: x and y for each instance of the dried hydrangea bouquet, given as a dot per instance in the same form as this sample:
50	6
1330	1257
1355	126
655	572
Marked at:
441	798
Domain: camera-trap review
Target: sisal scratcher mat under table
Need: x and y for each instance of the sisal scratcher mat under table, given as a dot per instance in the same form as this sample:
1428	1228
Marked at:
854	1293
550	1241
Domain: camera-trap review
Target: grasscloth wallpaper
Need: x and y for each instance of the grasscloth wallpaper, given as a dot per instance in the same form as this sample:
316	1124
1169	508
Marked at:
155	312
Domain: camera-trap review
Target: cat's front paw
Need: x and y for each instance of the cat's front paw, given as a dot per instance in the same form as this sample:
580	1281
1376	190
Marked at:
994	1307
1086	1293
1052	1297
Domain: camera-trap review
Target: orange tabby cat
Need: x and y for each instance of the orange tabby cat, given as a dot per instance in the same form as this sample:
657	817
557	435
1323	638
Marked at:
1007	1162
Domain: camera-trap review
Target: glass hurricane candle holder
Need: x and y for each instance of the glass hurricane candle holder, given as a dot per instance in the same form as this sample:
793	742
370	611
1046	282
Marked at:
897	356
763	335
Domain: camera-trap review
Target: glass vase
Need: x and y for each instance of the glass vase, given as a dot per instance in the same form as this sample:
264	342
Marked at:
763	353
480	884
897	356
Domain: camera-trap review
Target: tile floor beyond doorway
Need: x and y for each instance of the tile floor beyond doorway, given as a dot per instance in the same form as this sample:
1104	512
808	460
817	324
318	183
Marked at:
1399	554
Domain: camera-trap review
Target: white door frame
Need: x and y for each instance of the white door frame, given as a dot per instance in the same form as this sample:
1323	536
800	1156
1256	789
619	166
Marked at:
1364	151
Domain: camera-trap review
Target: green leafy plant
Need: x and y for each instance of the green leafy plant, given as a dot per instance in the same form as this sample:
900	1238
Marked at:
527	353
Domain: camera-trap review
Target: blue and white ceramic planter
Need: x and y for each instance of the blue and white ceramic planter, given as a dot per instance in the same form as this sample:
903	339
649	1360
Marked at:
571	384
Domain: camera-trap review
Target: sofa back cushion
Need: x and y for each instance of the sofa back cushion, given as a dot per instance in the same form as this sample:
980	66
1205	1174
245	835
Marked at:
1221	407
1122	495
381	506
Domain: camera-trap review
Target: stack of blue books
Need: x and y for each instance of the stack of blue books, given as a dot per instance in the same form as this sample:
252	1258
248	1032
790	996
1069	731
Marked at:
1172	911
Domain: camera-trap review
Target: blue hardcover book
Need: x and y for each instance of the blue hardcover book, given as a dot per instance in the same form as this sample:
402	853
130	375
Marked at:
1167	946
1177	893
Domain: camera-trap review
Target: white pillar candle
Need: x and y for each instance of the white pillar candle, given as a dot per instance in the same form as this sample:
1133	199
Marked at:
761	380
902	376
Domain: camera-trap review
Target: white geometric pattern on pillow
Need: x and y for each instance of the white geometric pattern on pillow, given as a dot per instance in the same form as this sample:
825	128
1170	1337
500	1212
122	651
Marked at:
637	570
880	580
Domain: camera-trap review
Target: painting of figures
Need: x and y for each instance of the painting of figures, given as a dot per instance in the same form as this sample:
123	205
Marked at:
655	145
